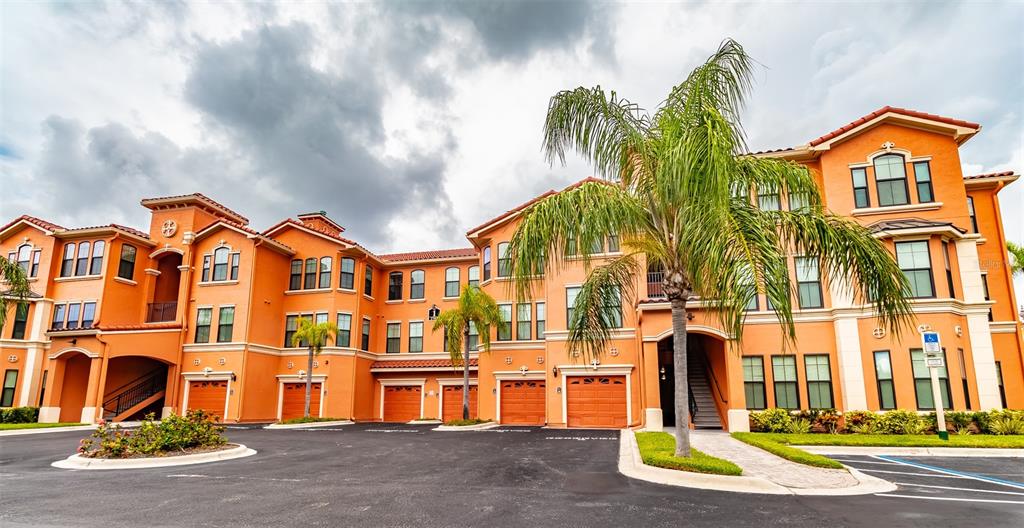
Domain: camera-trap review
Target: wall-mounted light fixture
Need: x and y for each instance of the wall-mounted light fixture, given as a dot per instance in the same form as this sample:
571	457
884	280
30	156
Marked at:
554	371
433	312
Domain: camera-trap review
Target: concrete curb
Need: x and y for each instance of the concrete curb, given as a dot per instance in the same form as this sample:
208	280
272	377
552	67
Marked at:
307	425
477	427
18	432
915	451
424	422
80	462
632	465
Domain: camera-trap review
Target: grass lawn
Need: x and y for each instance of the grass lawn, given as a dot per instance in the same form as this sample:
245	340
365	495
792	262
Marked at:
461	423
658	449
777	447
878	440
16	426
312	419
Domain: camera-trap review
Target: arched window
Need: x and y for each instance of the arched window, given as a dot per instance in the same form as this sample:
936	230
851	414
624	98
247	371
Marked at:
24	257
220	264
474	276
487	263
416	284
395	286
295	279
82	263
67	265
348	274
97	258
891	180
309	279
451	282
326	263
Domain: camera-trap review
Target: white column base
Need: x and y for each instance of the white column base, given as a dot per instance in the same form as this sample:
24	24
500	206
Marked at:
983	353
653	420
88	415
739	420
851	368
166	411
49	414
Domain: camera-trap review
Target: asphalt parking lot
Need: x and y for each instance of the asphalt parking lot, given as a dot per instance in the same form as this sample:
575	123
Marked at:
404	475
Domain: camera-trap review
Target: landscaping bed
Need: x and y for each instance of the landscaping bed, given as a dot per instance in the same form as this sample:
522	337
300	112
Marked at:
19	426
770	443
883	440
463	423
175	435
658	449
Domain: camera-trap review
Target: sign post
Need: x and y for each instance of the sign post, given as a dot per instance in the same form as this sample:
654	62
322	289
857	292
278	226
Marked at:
933	359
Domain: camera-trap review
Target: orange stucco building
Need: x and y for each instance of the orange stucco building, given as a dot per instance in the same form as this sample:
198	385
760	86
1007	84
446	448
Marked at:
197	312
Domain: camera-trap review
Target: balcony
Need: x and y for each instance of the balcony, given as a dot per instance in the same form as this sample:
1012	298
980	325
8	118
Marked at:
655	289
161	312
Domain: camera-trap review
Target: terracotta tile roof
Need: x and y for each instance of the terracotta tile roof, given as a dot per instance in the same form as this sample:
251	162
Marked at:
119	227
886	109
38	222
521	207
150	326
296	223
989	175
771	151
198	197
419	363
909	223
245	229
437	254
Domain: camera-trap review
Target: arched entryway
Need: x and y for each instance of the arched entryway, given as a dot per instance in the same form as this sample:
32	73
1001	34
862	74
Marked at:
135	386
706	371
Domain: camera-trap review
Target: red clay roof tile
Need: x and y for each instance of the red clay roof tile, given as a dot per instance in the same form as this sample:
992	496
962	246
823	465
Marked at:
523	206
200	197
886	109
39	222
989	175
437	254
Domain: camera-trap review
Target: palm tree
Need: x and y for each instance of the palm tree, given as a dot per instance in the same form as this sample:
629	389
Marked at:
315	336
1017	258
475	308
676	190
15	283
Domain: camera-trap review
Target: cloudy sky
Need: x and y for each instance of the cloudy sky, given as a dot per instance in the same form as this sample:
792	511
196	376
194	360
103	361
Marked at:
410	122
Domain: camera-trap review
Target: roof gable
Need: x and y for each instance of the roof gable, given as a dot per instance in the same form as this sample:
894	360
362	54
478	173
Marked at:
960	130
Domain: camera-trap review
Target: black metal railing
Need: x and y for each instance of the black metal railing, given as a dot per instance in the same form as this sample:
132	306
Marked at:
655	289
136	392
161	312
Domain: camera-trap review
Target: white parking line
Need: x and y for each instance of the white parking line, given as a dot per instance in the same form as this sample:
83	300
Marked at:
957	489
930	475
948	498
864	462
960	474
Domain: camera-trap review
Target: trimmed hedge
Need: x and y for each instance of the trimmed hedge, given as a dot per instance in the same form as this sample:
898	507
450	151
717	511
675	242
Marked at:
12	415
658	449
883	440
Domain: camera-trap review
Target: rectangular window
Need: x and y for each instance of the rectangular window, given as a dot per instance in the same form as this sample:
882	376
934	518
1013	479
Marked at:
348	274
963	377
999	381
474	336
96	263
861	198
451	282
474	276
416	336
344	330
35	263
234	265
571	293
20	321
984	286
923	178
417	282
972	215
291	324
126	266
42	388
326	263
808	282
768	198
67	263
883	379
786	391
541	319
220	264
923	381
10	383
294	278
74	311
753	381
916	264
504	260
394	344
368	282
364	340
395	286
309	277
88	314
505	328
59	312
204	318
798	201
524	321
82	262
612	307
613	244
487	263
225	324
819	381
949	271
891	180
206	268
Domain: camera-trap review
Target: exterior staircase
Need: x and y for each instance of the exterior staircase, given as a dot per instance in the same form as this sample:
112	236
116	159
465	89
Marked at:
706	416
132	398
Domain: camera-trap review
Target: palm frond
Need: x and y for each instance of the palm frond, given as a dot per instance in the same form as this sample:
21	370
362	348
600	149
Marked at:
475	307
316	334
593	318
16	285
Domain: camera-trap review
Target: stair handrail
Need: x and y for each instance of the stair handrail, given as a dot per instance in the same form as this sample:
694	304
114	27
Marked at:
148	381
111	395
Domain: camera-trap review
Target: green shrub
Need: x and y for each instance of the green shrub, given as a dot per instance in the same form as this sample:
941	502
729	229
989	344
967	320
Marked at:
1007	424
658	449
472	421
19	415
772	420
175	433
898	421
853	418
957	420
981	421
799	426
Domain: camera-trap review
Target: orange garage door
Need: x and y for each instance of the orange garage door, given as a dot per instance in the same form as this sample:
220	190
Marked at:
208	396
596	401
452	402
401	403
522	402
293	402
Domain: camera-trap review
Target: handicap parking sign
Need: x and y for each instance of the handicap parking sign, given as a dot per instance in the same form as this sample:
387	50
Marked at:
930	341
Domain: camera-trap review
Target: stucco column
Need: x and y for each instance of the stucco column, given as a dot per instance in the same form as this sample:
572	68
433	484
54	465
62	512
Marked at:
49	412
89	411
978	330
654	419
34	353
848	351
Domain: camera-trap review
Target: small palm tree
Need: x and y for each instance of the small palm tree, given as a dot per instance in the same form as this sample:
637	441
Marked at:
475	308
14	282
1017	258
677	191
315	335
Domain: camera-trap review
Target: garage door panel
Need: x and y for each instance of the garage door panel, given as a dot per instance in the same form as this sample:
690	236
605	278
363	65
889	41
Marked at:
293	400
522	402
596	401
401	403
208	396
452	402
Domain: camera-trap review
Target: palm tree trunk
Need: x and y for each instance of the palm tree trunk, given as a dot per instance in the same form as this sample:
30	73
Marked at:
682	392
309	381
465	375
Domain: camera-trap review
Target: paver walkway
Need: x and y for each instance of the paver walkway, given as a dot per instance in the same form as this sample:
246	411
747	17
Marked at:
757	462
